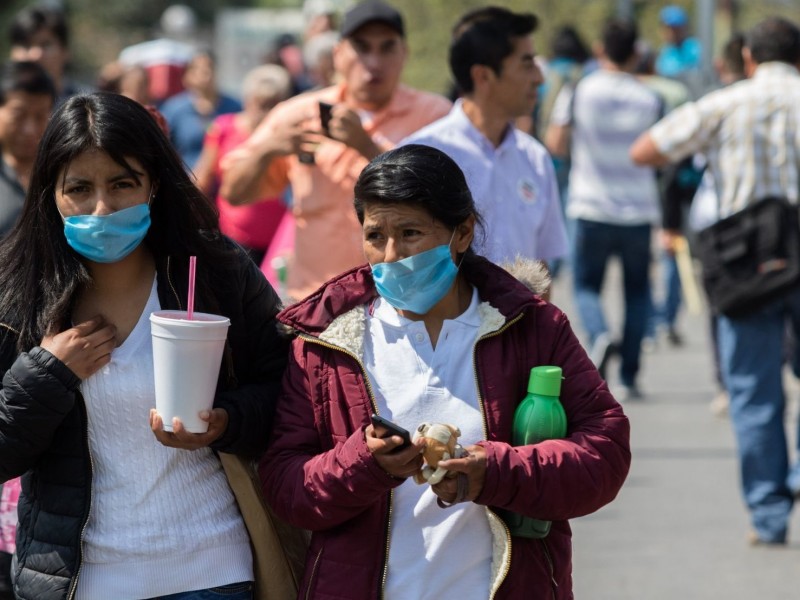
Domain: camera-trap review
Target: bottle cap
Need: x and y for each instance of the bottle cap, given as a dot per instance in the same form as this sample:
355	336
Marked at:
545	381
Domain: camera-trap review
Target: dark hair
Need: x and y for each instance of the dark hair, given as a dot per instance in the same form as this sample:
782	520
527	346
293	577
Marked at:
41	273
25	76
732	54
774	39
567	43
619	40
203	52
484	37
418	176
29	21
645	60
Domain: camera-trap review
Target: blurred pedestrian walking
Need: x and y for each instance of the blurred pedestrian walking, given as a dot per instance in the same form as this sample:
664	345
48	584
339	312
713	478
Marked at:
614	202
27	96
190	113
750	133
41	34
679	57
252	226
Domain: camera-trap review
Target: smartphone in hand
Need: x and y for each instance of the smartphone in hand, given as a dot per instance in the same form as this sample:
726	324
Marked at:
325	116
384	428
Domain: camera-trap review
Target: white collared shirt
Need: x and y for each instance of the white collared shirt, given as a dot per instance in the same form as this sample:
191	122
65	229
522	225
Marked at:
513	185
433	552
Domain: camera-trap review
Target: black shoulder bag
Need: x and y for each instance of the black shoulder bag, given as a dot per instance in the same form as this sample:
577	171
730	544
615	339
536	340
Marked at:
751	257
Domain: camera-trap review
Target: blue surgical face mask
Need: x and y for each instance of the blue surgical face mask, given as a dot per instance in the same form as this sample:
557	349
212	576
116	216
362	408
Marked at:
108	238
416	283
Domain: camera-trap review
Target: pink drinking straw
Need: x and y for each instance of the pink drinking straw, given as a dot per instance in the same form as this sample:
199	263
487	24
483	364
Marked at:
192	269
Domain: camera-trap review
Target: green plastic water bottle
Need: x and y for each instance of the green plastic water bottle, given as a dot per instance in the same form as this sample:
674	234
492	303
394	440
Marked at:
538	417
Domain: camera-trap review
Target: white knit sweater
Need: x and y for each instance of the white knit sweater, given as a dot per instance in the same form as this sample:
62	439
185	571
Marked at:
162	520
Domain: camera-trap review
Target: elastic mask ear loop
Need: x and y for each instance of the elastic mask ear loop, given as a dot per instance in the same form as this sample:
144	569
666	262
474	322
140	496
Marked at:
463	254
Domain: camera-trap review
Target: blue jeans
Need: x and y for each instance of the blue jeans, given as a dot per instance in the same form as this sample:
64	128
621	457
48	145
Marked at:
233	591
595	244
752	354
562	168
665	312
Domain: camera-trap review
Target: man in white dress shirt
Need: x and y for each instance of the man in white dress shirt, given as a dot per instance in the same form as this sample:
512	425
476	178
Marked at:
510	174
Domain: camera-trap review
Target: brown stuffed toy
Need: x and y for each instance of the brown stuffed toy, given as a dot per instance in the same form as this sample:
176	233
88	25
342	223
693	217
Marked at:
441	443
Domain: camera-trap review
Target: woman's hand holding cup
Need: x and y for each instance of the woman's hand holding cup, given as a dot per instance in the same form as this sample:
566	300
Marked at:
217	419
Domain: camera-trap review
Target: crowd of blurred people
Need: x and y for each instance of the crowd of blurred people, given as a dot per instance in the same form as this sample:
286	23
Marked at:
573	157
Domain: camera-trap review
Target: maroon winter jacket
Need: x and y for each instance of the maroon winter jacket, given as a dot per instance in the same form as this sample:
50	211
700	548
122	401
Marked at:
318	473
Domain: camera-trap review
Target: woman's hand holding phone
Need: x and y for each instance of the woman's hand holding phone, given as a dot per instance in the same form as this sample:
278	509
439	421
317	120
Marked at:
392	448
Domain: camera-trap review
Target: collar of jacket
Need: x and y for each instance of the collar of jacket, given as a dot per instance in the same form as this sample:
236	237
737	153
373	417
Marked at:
355	288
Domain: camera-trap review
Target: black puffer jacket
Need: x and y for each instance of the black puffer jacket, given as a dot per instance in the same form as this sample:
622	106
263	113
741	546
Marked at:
43	425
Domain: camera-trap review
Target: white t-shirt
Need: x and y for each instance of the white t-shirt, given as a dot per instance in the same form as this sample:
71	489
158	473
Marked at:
607	111
162	520
433	552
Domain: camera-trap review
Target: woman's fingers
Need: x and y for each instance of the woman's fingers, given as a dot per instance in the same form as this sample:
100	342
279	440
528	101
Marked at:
473	466
179	437
398	463
84	348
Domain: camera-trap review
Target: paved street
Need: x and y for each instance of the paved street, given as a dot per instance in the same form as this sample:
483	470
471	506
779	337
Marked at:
677	530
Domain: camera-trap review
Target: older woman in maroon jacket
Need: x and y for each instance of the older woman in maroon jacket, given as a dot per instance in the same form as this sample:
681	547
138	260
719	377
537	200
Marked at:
429	331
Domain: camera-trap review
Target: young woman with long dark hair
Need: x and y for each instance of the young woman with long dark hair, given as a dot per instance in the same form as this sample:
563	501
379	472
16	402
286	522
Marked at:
112	505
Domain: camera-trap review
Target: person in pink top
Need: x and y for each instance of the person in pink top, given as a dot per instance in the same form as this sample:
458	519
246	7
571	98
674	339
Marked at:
371	113
254	225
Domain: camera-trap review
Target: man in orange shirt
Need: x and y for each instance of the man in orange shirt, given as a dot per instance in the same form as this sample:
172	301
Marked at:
371	112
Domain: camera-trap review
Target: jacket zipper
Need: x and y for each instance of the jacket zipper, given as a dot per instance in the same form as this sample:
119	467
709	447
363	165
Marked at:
313	574
550	564
507	566
74	586
315	340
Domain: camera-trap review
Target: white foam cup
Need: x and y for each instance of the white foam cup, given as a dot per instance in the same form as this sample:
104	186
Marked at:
186	359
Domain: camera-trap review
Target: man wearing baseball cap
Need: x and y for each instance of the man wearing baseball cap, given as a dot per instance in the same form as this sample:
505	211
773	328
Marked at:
371	111
680	53
370	12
